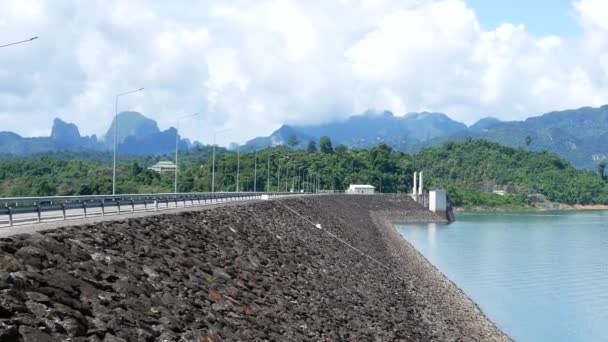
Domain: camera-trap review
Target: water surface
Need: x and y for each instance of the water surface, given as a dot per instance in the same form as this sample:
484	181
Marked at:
538	276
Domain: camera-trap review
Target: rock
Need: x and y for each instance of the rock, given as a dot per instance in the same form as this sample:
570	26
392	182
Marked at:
9	264
34	335
11	303
31	255
8	332
113	338
38	297
73	327
36	309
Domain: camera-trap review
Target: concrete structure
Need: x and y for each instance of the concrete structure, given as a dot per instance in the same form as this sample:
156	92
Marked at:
438	201
360	189
500	192
415	190
421	184
163	166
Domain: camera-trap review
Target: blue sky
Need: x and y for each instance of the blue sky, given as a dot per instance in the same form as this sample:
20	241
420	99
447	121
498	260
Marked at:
541	17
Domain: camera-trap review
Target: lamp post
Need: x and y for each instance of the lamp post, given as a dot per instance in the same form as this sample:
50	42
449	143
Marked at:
213	171
268	173
19	42
116	137
238	166
286	176
177	149
301	177
279	175
293	179
255	171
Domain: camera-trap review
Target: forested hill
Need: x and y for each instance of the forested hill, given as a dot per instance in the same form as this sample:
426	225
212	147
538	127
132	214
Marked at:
471	170
486	166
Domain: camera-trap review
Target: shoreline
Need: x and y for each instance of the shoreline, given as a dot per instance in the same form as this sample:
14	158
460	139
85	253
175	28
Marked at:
457	310
534	208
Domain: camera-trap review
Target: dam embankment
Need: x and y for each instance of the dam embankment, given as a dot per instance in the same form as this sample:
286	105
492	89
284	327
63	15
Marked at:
255	271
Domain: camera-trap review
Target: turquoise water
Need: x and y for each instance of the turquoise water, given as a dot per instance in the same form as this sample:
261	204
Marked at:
538	276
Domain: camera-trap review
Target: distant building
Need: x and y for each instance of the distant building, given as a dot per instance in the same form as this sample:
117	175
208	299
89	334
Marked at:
163	166
360	189
500	192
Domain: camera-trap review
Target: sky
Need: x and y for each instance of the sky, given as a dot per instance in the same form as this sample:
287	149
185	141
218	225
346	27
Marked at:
249	66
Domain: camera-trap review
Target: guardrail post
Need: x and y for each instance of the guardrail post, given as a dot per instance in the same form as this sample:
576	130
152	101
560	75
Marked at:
84	208
63	210
132	206
145	204
10	216
38	212
103	208
155	205
118	205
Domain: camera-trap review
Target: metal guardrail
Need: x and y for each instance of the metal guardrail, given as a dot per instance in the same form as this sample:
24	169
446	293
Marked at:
115	204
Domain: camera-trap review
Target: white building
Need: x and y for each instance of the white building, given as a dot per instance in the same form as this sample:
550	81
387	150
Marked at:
163	166
360	189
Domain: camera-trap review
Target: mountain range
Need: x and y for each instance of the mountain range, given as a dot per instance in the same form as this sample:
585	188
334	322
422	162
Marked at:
579	135
137	135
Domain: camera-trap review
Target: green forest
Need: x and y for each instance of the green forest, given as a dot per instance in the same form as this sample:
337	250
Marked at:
470	170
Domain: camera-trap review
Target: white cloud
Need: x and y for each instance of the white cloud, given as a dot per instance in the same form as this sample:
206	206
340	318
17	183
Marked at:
252	65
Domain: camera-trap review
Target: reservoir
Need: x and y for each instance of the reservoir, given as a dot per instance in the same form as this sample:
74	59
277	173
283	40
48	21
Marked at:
540	276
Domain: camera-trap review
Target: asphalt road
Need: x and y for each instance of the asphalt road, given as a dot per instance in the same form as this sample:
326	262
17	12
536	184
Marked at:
28	222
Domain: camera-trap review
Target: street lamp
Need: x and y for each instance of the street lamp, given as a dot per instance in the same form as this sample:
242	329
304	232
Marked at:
255	172
116	137
293	178
268	174
287	176
213	172
279	175
301	176
176	147
238	166
19	42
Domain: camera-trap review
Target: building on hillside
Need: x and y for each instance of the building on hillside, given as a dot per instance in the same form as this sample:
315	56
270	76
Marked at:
500	192
360	189
163	166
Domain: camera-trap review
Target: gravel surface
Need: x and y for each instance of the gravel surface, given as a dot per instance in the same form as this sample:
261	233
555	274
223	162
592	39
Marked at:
256	271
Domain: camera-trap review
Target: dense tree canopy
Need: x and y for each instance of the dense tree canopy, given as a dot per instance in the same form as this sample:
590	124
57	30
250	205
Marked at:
470	170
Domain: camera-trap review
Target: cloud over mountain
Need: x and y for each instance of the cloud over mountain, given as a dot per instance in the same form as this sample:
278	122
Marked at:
253	65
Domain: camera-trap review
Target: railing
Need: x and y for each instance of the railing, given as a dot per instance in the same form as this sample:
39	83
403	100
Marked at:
32	209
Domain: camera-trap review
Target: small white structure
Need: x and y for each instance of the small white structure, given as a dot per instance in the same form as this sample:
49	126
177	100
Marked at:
438	201
360	189
500	192
163	166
